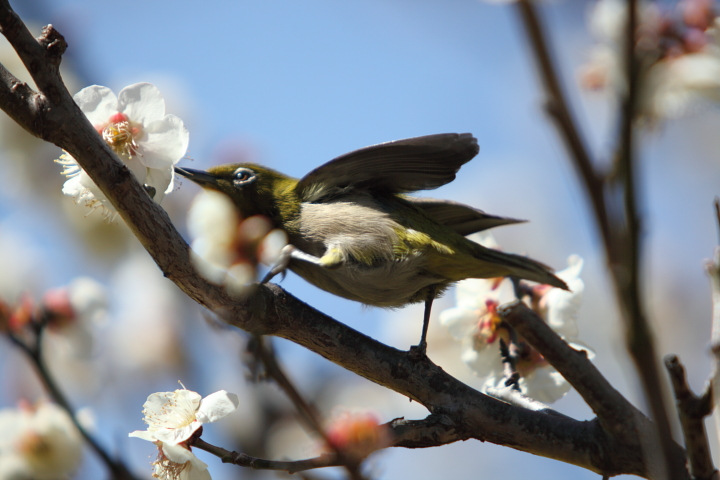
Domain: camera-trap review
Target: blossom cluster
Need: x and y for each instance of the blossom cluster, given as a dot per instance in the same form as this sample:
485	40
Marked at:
475	322
227	249
679	54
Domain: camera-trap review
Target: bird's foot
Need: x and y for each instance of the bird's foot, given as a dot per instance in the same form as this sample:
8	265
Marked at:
281	265
419	352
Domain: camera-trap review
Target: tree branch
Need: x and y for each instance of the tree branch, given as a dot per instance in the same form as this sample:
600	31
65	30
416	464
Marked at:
294	466
620	226
692	410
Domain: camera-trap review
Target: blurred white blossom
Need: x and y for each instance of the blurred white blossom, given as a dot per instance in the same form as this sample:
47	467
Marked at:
475	322
679	56
136	128
227	249
73	311
172	419
38	442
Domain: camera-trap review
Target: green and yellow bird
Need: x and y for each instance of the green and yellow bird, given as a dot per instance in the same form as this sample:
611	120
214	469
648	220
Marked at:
354	232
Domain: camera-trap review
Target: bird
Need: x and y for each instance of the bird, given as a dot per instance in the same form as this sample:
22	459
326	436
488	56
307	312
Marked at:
354	230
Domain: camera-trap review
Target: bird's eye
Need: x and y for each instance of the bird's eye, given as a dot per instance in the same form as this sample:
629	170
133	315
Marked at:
243	176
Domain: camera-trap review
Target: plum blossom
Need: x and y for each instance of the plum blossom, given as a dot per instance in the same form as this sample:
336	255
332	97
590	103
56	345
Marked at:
475	322
174	419
357	434
38	442
679	56
136	128
72	312
227	249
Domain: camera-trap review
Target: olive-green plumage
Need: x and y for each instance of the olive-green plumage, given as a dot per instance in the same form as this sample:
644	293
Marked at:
363	237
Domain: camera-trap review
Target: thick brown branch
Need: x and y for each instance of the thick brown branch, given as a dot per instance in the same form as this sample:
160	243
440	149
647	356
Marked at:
614	412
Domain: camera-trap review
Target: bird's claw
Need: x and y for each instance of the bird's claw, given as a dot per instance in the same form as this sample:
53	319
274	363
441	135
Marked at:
418	352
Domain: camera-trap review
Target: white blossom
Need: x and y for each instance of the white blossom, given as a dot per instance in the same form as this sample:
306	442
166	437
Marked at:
226	248
73	312
38	442
475	322
172	419
136	128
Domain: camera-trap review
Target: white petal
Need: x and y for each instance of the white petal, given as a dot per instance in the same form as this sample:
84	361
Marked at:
212	215
89	299
271	246
217	405
164	142
459	321
563	306
473	292
73	187
545	384
176	435
162	180
485	361
143	434
194	474
168	405
209	270
180	454
575	264
142	103
88	183
136	167
97	103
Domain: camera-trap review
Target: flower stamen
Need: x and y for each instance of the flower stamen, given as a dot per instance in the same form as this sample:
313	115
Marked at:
120	135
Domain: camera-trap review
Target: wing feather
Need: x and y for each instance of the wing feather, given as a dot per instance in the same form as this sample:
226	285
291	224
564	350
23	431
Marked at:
460	218
402	166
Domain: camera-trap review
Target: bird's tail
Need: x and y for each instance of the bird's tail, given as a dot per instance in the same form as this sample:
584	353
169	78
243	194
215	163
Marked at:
488	263
525	268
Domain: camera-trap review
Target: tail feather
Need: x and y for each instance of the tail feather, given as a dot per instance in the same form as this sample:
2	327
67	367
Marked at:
523	267
482	262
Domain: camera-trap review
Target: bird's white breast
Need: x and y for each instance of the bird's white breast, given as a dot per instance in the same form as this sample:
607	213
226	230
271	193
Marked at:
360	229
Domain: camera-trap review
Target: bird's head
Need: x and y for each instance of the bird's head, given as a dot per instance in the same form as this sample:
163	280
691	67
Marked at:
255	190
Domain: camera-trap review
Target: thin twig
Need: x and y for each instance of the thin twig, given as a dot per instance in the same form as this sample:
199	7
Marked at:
308	412
34	353
227	456
509	355
692	411
559	111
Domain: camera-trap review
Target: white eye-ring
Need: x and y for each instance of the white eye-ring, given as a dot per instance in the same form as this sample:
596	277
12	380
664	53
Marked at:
244	176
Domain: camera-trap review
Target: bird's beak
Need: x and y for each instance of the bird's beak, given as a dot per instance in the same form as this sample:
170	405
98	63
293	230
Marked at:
201	177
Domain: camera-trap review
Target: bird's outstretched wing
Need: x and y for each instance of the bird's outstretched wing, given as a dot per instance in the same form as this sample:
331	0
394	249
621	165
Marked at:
458	217
420	163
